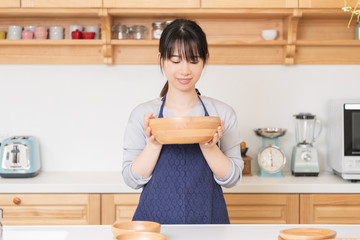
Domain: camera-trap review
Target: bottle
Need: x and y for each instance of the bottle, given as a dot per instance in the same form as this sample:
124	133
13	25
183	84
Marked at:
157	29
1	226
358	31
138	32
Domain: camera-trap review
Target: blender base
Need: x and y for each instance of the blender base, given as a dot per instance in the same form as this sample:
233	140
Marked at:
305	174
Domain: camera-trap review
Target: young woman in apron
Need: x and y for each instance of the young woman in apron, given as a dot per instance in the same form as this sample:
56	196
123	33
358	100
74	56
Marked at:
182	182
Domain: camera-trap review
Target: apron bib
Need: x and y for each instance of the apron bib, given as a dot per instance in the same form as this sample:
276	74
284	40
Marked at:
182	189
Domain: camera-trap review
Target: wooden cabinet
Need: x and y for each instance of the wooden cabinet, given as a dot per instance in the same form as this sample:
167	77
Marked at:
324	3
61	4
330	208
151	4
263	208
9	3
118	207
242	208
249	4
50	209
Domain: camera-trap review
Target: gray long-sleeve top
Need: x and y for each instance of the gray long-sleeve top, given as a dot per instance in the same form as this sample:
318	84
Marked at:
135	139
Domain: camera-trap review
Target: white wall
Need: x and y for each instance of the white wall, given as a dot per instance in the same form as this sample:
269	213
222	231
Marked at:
79	112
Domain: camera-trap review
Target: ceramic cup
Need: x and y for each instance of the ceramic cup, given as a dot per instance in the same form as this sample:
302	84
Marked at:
56	33
76	34
93	29
31	28
270	34
27	34
41	33
14	32
2	34
73	28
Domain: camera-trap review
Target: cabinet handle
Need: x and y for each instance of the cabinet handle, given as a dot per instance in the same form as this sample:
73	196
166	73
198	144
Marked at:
17	200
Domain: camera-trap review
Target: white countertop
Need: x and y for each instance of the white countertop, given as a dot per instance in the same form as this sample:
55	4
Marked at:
112	182
173	232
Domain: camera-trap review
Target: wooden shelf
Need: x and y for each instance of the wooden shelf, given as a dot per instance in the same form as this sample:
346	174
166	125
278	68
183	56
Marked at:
49	42
305	36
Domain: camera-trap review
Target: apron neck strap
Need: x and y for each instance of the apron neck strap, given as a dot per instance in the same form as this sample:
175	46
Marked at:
163	99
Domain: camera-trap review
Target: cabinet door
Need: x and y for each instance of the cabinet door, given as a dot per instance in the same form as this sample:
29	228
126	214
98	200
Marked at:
330	208
61	4
118	207
263	208
10	3
324	3
249	4
151	4
50	209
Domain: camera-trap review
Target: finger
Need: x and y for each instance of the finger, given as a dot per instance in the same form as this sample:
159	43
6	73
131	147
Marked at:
146	119
148	132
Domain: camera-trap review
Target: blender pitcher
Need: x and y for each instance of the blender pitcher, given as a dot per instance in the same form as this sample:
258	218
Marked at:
305	125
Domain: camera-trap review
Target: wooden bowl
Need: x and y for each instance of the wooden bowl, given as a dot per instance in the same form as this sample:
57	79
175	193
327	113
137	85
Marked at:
120	228
141	236
306	234
181	130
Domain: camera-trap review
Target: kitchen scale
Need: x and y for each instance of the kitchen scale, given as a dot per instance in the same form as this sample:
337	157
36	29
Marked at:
271	158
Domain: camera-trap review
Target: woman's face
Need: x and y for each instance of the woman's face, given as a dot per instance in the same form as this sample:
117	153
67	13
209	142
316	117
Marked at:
182	75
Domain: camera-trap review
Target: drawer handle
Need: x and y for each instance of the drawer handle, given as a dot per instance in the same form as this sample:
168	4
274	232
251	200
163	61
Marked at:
16	200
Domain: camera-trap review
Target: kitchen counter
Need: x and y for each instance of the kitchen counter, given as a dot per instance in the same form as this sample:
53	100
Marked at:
112	182
173	232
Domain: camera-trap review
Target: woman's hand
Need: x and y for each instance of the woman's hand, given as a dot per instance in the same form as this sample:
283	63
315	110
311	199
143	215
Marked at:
215	138
147	129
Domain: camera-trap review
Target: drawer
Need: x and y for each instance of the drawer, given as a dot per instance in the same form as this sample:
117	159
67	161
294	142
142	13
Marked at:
50	209
249	4
61	4
151	4
10	3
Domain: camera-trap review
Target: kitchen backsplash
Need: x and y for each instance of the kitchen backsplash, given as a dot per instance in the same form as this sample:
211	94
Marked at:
79	112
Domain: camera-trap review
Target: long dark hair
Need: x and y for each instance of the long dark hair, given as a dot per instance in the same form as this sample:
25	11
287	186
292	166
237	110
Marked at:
190	40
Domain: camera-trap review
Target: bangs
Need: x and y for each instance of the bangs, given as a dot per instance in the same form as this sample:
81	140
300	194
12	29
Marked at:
184	49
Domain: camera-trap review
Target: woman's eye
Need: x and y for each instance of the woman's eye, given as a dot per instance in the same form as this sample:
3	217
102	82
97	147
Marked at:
176	62
194	62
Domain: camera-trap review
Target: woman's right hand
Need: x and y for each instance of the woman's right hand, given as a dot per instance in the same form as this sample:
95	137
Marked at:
147	129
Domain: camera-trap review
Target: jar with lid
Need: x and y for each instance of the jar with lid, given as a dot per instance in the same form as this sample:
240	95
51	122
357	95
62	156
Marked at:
157	29
138	32
119	32
358	31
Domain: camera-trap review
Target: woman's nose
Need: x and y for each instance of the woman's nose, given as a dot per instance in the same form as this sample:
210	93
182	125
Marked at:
185	68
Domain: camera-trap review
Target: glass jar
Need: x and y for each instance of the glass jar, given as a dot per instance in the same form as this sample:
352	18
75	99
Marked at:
157	29
119	32
358	31
138	32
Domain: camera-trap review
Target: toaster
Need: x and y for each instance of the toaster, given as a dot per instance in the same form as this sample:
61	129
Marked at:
19	157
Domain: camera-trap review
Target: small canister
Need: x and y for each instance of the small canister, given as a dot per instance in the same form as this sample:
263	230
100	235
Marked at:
119	32
157	29
138	32
358	31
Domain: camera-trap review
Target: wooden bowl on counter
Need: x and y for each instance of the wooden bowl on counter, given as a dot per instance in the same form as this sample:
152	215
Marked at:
141	236
120	228
306	234
182	130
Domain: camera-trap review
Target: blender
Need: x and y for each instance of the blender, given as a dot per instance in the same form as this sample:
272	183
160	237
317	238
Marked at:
304	159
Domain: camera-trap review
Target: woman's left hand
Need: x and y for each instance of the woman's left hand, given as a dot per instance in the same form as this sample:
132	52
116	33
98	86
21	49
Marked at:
215	138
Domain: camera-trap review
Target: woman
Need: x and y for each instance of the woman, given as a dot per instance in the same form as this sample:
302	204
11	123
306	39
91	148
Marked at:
182	182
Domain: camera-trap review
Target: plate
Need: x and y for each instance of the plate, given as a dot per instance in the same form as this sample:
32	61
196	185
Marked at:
307	234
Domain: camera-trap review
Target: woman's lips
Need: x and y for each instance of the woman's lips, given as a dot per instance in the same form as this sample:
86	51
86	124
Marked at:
184	80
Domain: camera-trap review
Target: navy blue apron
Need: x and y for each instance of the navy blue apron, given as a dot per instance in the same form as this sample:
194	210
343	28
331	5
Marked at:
182	189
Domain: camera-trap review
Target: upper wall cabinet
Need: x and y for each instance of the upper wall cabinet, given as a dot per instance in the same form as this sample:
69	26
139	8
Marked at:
61	4
249	4
325	3
151	4
10	3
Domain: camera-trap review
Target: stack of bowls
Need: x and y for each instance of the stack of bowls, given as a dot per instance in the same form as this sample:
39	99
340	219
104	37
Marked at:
144	230
306	234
